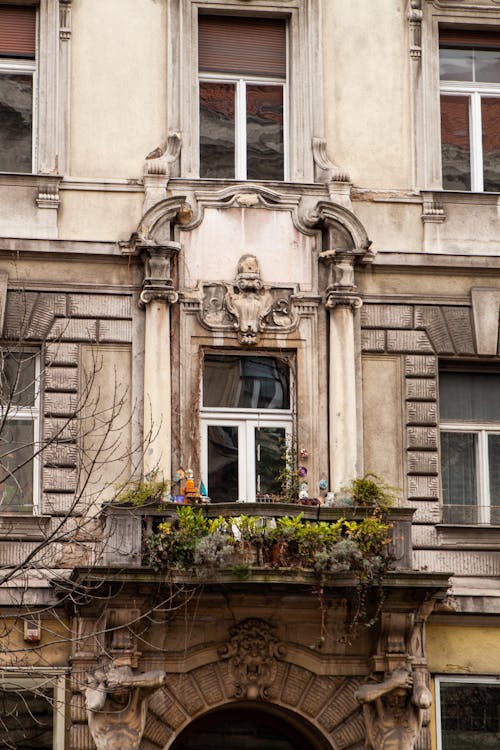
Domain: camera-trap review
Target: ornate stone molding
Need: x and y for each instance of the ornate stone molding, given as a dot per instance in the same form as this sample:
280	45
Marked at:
432	210
345	232
156	226
158	168
415	16
48	194
247	305
157	284
253	651
337	181
65	20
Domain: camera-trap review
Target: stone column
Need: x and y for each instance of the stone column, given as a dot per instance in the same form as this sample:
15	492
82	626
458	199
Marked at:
157	295
344	388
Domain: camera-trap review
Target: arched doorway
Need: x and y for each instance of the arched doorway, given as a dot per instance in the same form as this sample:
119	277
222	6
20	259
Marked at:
249	727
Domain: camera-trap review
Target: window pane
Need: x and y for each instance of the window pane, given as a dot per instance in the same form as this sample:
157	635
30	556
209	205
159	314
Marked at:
455	144
455	64
26	719
487	65
223	463
217	133
246	382
17	380
469	395
494	467
469	716
269	461
16	465
265	132
16	122
458	465
490	110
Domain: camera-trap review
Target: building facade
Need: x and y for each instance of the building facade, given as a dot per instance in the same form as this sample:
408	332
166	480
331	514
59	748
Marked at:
228	226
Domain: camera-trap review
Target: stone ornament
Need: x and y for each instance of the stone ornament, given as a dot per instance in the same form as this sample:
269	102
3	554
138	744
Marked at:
253	651
116	700
247	306
393	710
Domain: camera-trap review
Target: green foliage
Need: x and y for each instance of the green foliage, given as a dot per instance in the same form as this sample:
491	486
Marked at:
140	492
371	492
289	478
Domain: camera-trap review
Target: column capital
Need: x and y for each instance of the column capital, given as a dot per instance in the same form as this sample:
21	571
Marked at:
158	284
335	298
341	290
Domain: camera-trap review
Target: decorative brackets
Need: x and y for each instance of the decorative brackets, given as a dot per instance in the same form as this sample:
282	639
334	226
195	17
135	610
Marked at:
246	305
157	284
253	651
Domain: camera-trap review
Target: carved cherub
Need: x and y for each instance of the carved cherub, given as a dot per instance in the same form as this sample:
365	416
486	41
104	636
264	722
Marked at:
393	711
117	702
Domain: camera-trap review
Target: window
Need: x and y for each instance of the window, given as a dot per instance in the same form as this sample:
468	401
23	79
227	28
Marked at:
242	83
468	713
19	427
17	88
470	110
32	712
246	418
470	446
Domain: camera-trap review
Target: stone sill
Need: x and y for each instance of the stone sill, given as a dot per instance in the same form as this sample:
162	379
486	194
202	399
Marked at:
465	536
14	526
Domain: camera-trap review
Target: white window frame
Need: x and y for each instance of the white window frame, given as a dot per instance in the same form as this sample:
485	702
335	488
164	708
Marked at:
247	421
17	681
29	413
305	76
440	679
475	92
26	67
241	82
482	430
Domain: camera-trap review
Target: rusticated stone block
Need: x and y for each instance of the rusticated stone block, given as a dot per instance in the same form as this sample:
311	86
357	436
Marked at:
423	438
295	685
421	487
64	480
341	708
60	429
481	563
350	732
80	737
188	696
60	504
208	684
12	553
167	708
372	341
60	454
422	462
424	537
421	412
30	315
115	331
156	731
420	367
318	694
61	354
426	511
460	326
60	404
408	341
75	329
387	316
421	389
99	306
61	379
431	320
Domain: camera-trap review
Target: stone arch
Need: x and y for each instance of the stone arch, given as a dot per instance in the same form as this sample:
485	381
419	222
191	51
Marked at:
323	702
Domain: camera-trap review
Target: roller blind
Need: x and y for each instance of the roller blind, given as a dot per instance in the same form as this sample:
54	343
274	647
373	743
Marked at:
17	31
464	38
246	46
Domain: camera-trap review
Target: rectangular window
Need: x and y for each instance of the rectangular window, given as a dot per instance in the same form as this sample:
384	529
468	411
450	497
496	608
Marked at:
242	82
32	713
246	419
19	428
468	713
17	87
470	110
470	446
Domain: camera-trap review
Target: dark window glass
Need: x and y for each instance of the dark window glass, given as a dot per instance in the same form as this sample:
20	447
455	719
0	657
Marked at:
494	465
469	396
487	65
455	64
26	721
223	463
269	459
217	135
16	122
246	382
458	464
264	132
17	380
16	465
470	716
490	109
455	142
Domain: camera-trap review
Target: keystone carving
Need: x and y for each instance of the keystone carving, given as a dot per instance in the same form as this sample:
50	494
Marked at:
116	701
253	651
246	305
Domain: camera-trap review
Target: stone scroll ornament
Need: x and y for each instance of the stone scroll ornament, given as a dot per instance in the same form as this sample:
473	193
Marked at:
116	700
253	651
246	305
393	710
